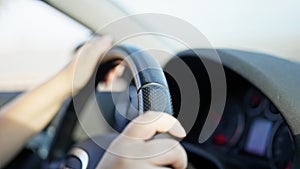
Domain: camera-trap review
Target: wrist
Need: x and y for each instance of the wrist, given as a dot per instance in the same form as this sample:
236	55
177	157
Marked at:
64	82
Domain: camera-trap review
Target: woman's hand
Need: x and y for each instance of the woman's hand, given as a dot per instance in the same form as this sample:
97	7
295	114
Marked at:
32	111
133	148
81	68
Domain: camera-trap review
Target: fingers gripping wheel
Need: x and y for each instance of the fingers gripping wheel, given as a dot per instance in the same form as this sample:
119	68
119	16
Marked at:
152	94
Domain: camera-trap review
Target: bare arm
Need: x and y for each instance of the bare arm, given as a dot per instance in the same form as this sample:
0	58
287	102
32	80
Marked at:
32	111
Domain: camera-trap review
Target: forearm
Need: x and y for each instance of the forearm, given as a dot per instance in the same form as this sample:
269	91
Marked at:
30	113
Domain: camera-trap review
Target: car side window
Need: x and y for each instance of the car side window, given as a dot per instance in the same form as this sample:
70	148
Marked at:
36	41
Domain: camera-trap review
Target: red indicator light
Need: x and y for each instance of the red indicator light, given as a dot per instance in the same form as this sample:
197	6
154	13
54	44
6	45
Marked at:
220	139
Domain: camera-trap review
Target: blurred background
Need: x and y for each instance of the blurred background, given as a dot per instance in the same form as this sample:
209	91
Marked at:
269	26
36	40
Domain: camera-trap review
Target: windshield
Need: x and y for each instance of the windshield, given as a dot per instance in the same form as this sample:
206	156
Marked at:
267	26
36	41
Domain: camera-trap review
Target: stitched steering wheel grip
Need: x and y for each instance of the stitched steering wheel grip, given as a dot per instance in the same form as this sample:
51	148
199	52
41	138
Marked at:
152	94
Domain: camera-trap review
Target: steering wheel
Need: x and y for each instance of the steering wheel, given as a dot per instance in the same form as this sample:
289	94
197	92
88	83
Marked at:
151	92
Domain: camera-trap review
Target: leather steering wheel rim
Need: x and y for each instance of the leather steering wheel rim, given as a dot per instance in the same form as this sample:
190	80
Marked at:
152	92
149	79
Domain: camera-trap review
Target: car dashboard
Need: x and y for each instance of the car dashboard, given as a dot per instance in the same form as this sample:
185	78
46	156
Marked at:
252	132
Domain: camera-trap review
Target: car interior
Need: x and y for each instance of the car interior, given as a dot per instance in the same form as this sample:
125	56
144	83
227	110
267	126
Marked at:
240	107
